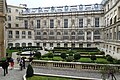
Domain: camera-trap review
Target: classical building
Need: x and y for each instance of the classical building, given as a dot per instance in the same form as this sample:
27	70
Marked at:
95	25
3	7
111	32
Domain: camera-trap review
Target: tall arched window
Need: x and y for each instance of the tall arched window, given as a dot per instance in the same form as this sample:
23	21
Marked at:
23	44
10	45
72	33
29	44
17	44
58	33
44	33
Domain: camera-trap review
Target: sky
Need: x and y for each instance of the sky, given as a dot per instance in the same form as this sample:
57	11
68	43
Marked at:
50	3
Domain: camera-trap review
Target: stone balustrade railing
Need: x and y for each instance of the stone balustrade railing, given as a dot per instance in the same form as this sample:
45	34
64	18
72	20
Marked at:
72	65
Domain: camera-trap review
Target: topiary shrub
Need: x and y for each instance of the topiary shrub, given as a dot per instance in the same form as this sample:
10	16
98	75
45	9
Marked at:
93	57
50	55
77	56
37	55
29	72
109	58
63	55
69	58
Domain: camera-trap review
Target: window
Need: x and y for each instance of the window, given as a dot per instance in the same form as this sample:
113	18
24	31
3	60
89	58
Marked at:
10	34
65	45
9	18
9	10
58	33
29	44
44	33
115	18
65	23
23	44
44	44
80	23
81	45
96	22
66	8
58	44
38	44
26	24
17	44
73	33
51	33
9	25
111	21
51	44
65	37
80	37
51	23
119	35
10	45
17	34
38	23
65	32
23	34
16	25
88	45
29	34
81	7
16	10
51	38
38	33
17	18
73	45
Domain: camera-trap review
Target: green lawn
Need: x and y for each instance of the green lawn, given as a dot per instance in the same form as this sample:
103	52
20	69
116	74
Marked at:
47	78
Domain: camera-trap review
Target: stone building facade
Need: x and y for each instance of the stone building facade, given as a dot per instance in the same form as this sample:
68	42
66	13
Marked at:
3	7
93	25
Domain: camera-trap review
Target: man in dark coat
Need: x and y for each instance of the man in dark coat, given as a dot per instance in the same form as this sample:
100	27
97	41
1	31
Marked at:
5	65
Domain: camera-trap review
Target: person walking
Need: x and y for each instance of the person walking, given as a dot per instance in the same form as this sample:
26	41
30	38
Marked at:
21	64
5	65
11	63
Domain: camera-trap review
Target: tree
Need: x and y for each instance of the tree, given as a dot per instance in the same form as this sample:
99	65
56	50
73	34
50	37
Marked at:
109	58
50	55
29	72
63	55
93	57
37	55
77	56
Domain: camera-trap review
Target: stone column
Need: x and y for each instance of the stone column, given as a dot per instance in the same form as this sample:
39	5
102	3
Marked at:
2	42
2	27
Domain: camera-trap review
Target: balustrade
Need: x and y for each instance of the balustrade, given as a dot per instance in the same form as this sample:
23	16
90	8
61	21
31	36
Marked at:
72	65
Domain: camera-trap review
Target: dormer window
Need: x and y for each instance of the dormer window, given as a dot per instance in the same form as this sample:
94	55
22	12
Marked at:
52	8
66	8
81	7
96	6
40	9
